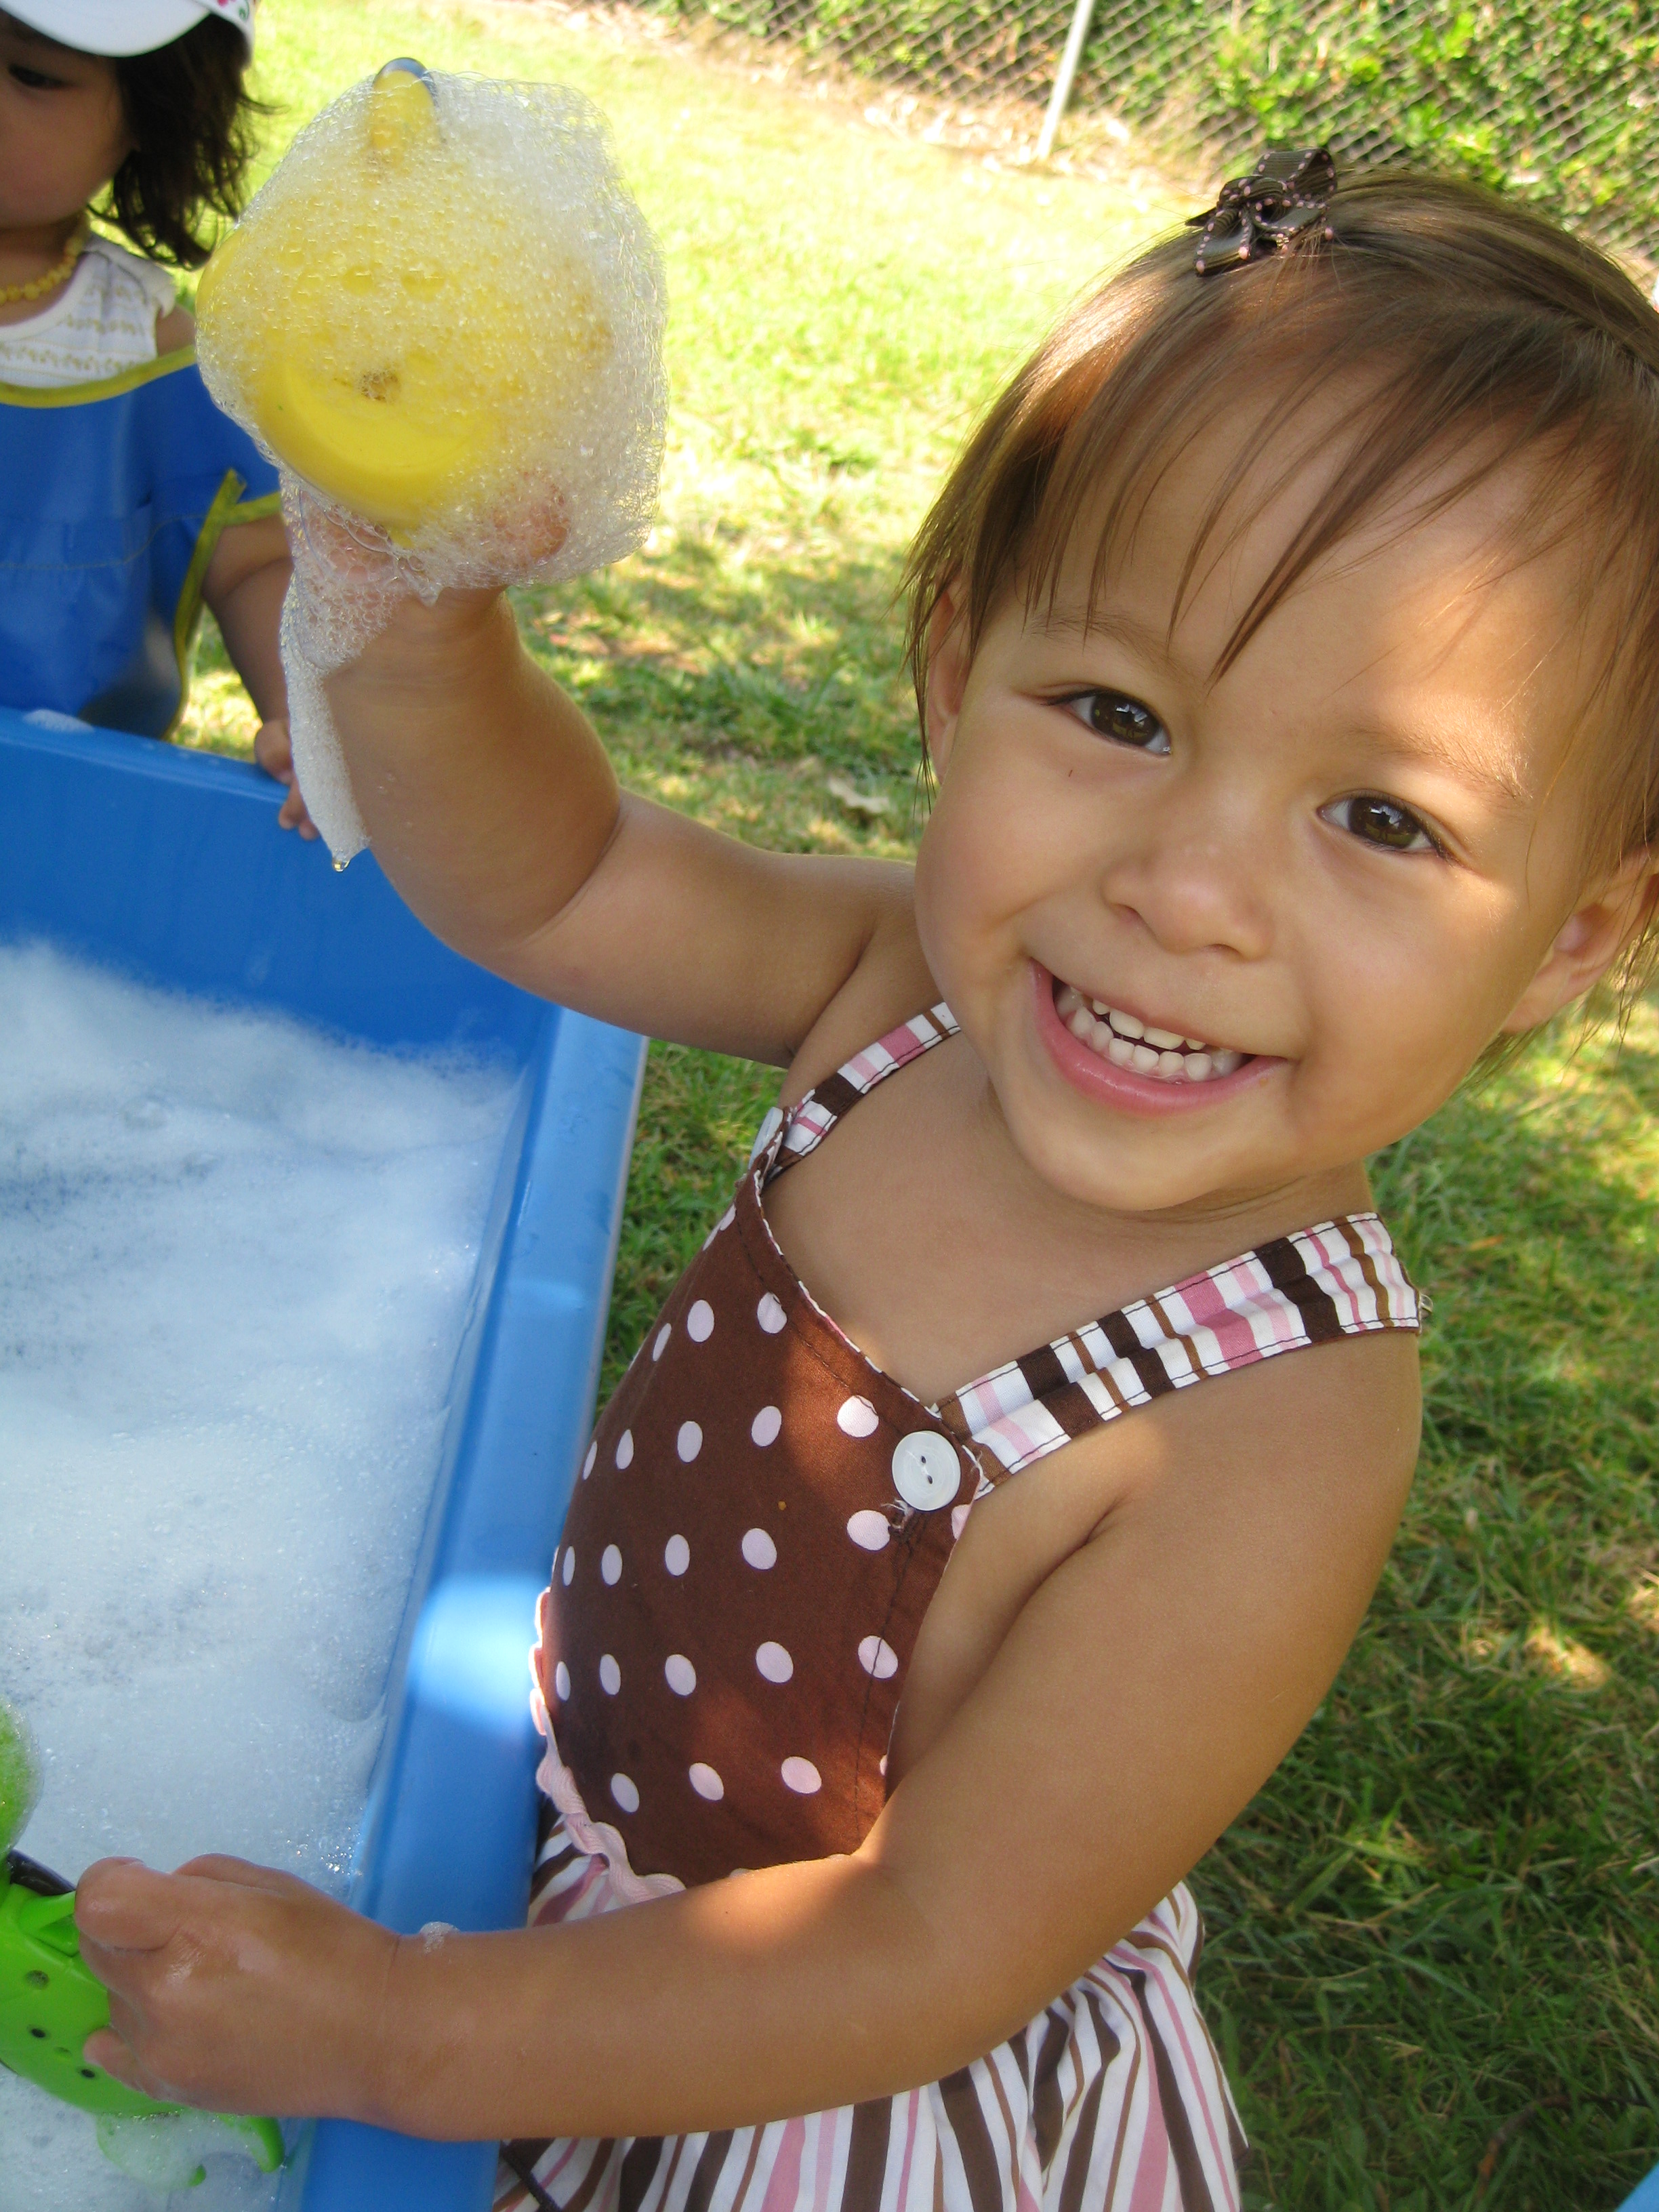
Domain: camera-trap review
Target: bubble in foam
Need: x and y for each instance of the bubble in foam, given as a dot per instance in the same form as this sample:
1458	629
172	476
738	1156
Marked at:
442	317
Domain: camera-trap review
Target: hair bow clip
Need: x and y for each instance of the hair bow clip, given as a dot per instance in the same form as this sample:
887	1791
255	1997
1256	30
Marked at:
1285	195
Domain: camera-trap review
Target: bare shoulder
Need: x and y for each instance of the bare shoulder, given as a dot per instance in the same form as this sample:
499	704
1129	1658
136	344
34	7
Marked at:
175	327
1242	1522
1310	1450
890	982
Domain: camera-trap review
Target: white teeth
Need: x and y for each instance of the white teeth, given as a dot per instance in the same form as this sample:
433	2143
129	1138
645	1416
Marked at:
1126	1042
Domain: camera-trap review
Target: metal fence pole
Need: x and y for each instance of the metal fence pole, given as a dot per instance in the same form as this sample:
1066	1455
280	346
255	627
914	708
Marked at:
1081	16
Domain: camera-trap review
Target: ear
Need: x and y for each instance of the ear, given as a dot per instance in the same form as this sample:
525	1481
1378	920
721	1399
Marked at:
1589	942
948	660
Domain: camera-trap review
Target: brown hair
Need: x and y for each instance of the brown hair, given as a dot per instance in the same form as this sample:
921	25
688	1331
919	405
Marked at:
190	120
1440	321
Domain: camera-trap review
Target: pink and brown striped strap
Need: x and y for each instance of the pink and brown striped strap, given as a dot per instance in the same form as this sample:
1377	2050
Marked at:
1342	1277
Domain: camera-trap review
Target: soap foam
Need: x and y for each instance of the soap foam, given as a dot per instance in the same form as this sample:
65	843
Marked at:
475	293
235	1262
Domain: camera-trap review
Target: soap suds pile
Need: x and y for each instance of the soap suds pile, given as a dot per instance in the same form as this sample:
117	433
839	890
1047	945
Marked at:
235	1263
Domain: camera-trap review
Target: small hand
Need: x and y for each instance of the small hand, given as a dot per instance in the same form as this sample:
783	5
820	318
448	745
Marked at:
234	1989
274	753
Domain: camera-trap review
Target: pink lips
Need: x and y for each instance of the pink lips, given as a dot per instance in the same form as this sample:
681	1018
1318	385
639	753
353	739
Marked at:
1122	1087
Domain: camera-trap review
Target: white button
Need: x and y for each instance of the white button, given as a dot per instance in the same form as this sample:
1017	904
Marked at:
926	1472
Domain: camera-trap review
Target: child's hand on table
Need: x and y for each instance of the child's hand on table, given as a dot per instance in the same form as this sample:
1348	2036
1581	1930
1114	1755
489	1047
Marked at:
273	751
232	1987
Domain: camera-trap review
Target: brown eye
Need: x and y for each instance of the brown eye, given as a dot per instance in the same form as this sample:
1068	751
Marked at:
1383	821
1124	721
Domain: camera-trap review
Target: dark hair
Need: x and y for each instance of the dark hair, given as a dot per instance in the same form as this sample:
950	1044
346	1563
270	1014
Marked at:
191	121
1436	321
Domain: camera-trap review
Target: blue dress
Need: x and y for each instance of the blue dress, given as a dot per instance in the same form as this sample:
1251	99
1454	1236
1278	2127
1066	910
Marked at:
112	495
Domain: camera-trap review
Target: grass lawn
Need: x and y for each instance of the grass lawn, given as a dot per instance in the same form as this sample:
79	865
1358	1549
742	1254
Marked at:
1434	1940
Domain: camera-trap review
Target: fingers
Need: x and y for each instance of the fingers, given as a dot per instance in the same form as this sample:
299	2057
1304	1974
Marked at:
273	751
232	1987
122	1906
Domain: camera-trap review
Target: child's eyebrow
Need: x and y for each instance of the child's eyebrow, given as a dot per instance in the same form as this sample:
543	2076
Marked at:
1494	772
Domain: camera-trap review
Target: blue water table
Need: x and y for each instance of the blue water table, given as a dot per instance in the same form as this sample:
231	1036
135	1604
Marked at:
168	866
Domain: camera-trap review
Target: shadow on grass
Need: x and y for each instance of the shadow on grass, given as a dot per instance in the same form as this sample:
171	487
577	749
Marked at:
713	645
1435	1937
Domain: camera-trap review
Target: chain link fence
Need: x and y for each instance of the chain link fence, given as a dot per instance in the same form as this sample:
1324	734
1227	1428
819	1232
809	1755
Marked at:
1555	102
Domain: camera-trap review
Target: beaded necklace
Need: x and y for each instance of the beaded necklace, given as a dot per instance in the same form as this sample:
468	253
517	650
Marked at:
59	273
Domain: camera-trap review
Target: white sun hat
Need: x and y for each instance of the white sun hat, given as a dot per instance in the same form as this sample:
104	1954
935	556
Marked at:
119	28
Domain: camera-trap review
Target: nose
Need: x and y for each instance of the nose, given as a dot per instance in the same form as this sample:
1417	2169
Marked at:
1197	873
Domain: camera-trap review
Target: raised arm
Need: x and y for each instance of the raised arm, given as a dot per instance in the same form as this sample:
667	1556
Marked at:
491	804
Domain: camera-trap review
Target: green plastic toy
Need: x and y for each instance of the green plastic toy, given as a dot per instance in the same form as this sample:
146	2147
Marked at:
50	2003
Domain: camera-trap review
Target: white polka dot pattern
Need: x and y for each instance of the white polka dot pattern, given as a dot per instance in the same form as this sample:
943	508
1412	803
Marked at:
759	1549
869	1530
732	1717
593	1454
858	1418
561	1682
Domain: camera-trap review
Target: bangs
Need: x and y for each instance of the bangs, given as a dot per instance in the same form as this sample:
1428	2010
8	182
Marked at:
1442	341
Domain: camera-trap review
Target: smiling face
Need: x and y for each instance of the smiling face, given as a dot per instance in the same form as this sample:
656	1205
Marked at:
1216	936
63	132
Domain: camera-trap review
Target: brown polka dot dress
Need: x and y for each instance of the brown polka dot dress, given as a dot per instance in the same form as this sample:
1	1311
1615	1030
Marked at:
762	1521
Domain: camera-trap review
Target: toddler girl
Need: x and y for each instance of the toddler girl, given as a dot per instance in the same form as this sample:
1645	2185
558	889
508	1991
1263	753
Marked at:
1287	643
127	500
